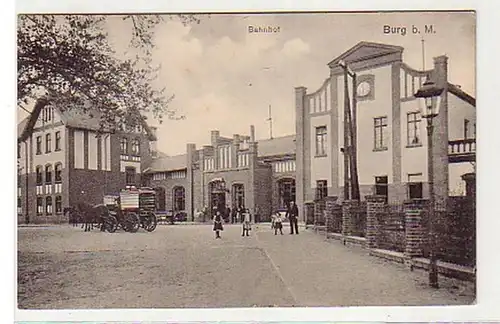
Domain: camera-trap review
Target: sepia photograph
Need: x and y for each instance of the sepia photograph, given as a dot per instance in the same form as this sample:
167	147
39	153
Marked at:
246	160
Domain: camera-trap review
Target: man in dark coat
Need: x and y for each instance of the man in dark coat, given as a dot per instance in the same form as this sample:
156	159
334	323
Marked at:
293	213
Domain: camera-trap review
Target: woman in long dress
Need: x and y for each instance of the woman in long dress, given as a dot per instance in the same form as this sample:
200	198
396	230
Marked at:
218	225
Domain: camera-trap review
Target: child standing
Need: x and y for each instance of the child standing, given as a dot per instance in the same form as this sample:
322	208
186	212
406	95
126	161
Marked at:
246	223
277	223
218	225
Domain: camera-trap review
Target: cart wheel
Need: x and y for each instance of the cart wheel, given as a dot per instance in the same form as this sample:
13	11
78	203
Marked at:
111	224
150	222
131	222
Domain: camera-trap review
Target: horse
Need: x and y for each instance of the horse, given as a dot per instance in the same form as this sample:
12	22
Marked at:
88	215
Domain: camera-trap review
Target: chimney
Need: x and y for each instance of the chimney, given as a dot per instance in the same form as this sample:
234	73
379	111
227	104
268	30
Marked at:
236	139
215	137
252	133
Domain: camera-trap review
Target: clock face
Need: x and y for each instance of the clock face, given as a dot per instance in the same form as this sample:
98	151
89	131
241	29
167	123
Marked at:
364	89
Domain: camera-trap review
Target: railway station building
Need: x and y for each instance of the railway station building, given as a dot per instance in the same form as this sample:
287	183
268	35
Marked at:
229	172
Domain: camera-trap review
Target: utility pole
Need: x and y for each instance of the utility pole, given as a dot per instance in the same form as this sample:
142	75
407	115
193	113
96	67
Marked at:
350	137
270	120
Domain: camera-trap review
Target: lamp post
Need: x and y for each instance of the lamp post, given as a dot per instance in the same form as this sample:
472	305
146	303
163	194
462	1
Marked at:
431	95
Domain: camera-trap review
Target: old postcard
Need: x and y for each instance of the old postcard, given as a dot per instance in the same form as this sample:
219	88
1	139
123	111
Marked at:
246	160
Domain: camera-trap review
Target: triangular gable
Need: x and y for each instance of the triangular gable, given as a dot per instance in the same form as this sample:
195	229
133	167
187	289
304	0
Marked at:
365	51
72	118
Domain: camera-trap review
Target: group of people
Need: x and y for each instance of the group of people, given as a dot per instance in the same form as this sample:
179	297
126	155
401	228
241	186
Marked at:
292	214
245	219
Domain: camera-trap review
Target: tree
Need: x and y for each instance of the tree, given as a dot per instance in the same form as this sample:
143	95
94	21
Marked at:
69	62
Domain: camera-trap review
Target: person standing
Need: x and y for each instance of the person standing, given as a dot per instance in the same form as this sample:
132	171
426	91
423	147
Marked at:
246	223
277	223
218	225
293	213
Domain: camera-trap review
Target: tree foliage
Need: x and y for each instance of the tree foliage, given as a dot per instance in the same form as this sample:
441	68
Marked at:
70	61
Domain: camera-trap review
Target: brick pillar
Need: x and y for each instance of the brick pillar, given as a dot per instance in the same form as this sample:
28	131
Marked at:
375	206
319	207
415	229
309	213
348	207
330	206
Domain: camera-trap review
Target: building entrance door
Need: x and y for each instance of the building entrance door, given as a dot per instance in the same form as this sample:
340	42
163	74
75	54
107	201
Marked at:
286	192
217	201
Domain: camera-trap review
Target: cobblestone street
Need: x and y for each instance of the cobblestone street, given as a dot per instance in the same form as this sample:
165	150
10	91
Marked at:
184	266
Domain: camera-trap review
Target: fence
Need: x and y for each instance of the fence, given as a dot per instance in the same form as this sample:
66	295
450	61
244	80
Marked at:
391	228
457	232
403	227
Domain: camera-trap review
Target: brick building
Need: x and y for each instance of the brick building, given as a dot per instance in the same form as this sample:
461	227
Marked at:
391	135
62	159
230	172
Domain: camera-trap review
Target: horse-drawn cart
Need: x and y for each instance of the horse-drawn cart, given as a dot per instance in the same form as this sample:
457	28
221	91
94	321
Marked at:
133	208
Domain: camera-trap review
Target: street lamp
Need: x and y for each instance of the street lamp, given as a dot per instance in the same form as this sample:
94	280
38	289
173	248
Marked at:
429	108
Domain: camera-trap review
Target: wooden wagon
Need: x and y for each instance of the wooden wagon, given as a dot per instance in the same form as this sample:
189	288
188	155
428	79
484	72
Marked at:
133	208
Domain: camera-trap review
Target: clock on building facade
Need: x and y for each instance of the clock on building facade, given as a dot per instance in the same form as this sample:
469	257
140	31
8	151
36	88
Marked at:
364	89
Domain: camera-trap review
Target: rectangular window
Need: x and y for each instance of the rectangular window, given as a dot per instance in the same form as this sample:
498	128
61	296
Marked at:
38	145
381	186
380	133
48	143
58	142
466	128
321	189
18	151
321	141
415	186
413	126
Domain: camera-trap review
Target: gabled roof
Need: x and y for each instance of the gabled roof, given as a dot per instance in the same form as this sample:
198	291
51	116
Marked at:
168	163
22	125
277	146
366	50
75	118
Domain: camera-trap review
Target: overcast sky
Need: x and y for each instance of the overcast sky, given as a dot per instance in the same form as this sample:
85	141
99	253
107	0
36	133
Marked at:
225	78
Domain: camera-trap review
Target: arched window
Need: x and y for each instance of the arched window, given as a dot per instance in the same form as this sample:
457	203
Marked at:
179	199
58	204
39	175
48	174
39	205
48	205
129	176
58	173
124	145
136	146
